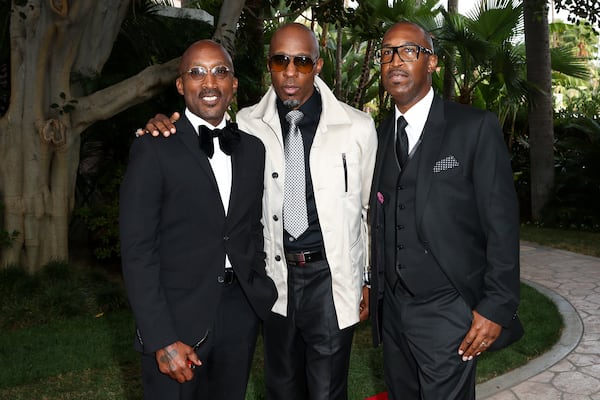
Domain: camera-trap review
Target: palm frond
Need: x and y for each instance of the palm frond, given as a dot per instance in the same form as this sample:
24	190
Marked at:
565	62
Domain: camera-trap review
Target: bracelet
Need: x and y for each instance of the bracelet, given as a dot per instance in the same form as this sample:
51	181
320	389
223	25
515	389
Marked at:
139	132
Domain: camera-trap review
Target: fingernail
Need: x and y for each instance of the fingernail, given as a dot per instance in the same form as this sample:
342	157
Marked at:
465	358
470	358
460	352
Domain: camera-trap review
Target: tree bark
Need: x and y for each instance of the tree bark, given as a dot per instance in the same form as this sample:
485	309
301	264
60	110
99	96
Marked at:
541	122
227	24
365	76
251	63
449	60
51	40
338	62
40	132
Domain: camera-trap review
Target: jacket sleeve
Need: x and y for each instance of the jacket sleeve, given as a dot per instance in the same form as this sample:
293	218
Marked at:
498	209
140	208
367	167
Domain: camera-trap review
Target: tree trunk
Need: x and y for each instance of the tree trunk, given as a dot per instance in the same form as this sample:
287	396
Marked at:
227	24
541	123
449	60
365	76
253	62
40	132
51	41
338	62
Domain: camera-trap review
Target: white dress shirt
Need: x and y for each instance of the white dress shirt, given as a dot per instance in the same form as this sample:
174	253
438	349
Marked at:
220	163
416	117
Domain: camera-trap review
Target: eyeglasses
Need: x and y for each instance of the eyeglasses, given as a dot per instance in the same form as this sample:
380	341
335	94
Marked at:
406	53
200	73
279	62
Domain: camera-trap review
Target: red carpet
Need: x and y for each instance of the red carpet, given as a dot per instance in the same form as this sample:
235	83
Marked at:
380	396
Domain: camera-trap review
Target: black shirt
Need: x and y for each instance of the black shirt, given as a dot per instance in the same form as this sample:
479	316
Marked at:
312	238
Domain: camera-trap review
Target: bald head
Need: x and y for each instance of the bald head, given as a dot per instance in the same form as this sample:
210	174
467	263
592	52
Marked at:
425	36
203	47
294	29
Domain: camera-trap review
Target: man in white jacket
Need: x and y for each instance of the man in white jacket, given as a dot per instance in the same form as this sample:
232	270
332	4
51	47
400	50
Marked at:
319	264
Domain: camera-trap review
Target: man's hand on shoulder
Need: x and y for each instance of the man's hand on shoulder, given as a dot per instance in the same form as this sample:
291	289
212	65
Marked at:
160	123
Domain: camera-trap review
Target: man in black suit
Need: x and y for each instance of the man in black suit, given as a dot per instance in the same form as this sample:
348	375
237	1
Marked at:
192	241
445	228
318	270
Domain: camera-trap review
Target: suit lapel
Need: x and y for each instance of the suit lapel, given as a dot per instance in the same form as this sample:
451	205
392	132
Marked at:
432	139
240	163
385	138
187	134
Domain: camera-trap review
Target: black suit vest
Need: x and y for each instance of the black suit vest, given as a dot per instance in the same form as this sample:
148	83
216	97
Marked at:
407	258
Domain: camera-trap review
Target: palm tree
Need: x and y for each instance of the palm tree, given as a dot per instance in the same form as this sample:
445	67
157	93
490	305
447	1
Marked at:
489	62
541	122
449	60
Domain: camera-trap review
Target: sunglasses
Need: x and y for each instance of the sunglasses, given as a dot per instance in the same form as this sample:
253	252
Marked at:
279	62
200	73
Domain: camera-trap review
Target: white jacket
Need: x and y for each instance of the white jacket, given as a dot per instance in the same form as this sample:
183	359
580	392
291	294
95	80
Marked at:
342	159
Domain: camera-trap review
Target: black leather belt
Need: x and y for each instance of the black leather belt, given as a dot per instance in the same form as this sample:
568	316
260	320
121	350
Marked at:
228	277
300	258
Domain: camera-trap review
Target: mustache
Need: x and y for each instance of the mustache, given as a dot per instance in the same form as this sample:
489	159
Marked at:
396	71
209	92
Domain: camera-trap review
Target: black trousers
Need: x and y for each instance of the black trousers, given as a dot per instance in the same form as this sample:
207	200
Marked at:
226	356
306	355
421	336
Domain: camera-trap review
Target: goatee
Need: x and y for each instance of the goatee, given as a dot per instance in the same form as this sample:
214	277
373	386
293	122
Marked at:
291	103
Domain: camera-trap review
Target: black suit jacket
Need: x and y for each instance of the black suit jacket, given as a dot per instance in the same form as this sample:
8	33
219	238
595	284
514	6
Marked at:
467	214
175	234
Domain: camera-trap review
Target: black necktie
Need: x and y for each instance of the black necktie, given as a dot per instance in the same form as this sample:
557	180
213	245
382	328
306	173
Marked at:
401	141
228	139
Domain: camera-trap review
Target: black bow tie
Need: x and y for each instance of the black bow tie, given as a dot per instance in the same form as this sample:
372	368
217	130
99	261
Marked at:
228	139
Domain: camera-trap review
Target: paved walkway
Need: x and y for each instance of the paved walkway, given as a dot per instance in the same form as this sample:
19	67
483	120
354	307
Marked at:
571	369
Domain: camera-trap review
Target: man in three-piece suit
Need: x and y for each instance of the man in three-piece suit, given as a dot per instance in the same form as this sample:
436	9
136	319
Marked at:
192	241
445	229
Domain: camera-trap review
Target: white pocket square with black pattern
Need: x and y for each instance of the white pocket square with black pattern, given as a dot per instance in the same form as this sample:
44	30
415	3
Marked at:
445	164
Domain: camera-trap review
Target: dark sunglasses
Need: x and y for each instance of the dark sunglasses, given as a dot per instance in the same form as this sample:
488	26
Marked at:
303	64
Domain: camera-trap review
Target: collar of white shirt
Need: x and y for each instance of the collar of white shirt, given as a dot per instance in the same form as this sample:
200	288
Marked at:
197	121
416	117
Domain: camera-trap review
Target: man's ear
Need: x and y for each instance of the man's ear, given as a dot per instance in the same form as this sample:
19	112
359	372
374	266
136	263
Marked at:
179	85
235	85
432	63
318	66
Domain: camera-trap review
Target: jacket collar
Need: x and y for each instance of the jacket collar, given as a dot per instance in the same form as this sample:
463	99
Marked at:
333	112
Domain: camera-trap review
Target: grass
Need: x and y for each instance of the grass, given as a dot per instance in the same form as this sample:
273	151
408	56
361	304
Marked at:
583	242
67	333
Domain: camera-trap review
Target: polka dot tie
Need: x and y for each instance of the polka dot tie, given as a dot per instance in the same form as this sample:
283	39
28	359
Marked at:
295	217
